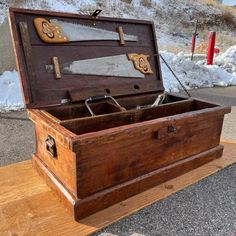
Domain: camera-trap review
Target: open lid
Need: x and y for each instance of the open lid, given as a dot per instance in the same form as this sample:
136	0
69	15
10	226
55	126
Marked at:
110	56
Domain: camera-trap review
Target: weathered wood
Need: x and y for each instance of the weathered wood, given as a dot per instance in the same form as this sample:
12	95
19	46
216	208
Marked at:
79	110
19	61
116	90
63	165
92	124
29	207
103	199
130	154
27	52
60	134
52	181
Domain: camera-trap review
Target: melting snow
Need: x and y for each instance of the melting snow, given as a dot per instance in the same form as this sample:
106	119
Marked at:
194	75
10	93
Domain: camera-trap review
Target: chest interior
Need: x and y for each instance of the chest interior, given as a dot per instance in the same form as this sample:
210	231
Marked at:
78	119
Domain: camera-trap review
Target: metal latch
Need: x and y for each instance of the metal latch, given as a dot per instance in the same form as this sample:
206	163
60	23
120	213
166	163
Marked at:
172	129
51	146
96	12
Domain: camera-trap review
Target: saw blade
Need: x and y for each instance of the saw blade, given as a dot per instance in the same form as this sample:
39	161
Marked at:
77	32
57	31
117	66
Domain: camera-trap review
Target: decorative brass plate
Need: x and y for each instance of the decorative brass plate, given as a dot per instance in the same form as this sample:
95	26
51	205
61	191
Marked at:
141	62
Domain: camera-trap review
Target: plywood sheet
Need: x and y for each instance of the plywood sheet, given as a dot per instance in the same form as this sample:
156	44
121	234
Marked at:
29	207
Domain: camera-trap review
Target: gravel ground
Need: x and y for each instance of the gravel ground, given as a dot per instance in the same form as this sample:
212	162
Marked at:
16	137
221	95
205	208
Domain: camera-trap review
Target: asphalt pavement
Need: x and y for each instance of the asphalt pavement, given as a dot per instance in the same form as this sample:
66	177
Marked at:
16	137
205	208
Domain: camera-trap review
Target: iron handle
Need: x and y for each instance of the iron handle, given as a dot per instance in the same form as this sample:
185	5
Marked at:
51	146
97	98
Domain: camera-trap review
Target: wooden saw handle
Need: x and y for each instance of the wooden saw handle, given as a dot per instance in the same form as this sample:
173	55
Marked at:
49	32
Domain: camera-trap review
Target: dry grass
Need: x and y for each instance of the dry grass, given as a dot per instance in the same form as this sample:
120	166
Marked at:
172	49
126	1
223	41
201	48
227	9
229	19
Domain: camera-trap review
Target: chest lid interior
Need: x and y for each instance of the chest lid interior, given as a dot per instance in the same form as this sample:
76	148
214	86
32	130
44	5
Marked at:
69	57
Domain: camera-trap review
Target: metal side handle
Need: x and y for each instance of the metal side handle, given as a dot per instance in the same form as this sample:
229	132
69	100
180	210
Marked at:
51	146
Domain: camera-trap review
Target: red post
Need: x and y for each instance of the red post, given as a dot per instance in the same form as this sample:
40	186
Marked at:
193	43
211	47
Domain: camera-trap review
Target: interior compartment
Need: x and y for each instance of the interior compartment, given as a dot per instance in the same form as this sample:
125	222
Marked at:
79	111
106	107
97	123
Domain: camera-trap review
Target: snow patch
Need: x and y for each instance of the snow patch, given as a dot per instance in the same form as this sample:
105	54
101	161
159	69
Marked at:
194	75
10	92
227	60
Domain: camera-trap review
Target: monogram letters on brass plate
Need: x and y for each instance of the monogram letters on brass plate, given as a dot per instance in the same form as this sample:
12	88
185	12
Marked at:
141	62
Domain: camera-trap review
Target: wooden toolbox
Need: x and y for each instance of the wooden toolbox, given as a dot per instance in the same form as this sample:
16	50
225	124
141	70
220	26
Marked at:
91	86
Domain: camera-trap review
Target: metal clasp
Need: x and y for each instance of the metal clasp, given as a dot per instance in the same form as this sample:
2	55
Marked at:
96	12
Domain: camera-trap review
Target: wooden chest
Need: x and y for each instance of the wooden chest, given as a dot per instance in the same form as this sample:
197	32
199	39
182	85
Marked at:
99	137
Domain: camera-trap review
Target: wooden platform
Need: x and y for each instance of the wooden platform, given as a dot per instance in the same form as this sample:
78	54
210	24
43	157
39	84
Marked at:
29	207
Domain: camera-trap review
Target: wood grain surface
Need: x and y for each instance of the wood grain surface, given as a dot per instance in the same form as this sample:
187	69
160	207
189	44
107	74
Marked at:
29	207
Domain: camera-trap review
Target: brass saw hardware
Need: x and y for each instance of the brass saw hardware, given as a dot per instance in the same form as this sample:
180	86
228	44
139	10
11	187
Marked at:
56	67
141	62
121	35
49	33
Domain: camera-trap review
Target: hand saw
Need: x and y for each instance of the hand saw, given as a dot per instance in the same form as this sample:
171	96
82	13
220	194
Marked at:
131	65
56	31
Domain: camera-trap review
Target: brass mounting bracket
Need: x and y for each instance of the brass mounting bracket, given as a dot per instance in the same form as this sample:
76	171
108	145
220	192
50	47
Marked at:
56	67
141	62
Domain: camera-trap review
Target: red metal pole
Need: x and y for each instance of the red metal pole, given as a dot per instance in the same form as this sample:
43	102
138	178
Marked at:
193	43
194	39
210	49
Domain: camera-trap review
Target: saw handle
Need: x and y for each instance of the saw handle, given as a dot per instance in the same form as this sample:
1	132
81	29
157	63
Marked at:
99	98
